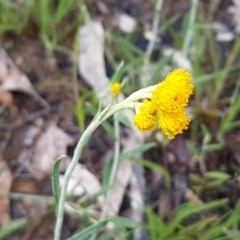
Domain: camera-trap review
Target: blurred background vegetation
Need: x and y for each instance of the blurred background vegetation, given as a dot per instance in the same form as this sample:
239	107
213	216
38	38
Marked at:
192	182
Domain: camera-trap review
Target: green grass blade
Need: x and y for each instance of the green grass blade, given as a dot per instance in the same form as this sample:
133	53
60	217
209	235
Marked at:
124	222
107	172
216	175
12	227
189	210
156	167
63	9
155	224
55	182
90	231
136	151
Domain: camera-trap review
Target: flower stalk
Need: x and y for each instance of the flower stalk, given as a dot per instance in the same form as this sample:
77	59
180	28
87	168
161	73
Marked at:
162	105
77	154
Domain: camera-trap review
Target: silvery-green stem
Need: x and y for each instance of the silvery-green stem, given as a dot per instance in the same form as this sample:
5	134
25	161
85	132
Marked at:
77	154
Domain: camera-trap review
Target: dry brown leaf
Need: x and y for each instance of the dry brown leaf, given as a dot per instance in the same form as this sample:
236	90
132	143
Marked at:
33	132
82	181
12	79
5	186
123	177
116	193
178	58
50	145
91	60
6	101
6	98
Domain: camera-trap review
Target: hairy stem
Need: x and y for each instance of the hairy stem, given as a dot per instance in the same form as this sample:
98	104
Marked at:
77	154
114	165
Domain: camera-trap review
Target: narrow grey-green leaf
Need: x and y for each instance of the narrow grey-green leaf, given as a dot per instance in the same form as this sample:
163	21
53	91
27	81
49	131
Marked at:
12	227
86	233
55	182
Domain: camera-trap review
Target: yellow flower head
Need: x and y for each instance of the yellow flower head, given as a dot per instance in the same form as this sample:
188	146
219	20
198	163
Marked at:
115	88
167	106
145	118
172	94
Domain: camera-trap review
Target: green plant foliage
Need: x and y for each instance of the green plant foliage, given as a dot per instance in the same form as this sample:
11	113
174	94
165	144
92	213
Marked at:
193	222
94	229
214	109
55	182
13	227
12	18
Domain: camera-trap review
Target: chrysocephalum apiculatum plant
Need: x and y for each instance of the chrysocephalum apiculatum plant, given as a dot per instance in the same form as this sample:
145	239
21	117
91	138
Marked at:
163	105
